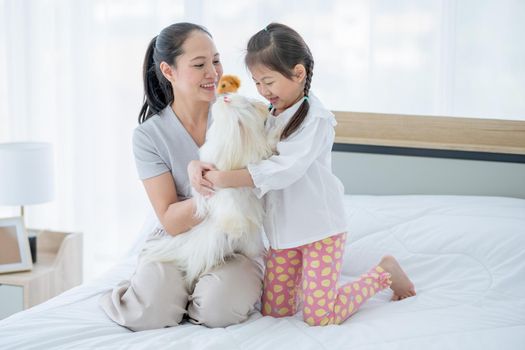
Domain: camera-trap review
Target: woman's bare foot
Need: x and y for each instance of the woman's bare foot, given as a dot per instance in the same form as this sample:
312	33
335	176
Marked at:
401	284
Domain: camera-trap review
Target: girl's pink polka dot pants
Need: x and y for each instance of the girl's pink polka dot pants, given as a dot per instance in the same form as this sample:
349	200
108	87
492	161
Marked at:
309	275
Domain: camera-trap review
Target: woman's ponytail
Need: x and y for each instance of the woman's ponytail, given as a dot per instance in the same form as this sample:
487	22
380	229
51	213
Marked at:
157	91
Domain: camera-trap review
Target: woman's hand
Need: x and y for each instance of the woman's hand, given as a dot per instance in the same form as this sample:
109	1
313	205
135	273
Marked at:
196	171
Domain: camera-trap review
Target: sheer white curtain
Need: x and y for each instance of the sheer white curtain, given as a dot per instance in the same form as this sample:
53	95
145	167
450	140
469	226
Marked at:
70	74
73	78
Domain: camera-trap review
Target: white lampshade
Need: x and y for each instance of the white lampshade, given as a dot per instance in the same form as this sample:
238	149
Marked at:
26	173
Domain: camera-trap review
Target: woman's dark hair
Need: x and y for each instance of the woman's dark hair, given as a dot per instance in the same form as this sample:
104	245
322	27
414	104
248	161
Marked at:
280	48
166	46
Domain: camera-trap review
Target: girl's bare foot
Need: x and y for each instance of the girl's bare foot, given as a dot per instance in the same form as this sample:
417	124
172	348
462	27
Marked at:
401	284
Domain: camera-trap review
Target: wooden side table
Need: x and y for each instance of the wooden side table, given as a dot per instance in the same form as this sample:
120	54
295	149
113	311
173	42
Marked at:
58	268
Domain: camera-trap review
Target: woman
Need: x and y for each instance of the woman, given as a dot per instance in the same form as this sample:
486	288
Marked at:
181	71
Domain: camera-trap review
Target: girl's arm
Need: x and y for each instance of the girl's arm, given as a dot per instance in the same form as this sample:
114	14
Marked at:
176	216
296	154
230	178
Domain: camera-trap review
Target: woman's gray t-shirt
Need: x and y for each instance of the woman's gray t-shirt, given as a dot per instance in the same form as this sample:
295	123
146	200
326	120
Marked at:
162	144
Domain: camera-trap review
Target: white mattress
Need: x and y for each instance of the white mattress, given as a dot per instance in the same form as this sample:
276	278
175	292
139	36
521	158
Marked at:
466	256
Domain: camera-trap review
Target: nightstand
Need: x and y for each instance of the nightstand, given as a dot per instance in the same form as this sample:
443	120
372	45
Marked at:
58	268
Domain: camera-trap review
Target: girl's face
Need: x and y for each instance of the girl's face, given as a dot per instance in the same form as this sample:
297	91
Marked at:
198	69
281	91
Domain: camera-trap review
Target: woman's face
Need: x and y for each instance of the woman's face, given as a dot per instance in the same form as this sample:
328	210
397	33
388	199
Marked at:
198	69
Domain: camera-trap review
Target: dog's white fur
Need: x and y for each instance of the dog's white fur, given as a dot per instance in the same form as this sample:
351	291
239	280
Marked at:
232	216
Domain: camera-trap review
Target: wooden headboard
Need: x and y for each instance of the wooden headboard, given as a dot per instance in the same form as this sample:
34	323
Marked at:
430	136
408	154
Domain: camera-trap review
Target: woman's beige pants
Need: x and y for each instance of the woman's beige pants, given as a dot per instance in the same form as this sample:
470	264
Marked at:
156	297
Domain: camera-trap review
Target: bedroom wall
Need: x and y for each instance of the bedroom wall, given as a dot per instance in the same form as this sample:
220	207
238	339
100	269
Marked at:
363	173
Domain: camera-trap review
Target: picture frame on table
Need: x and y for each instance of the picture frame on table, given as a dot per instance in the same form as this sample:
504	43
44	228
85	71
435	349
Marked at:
15	254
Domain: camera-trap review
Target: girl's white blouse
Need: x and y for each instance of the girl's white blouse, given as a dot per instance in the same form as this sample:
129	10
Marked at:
303	198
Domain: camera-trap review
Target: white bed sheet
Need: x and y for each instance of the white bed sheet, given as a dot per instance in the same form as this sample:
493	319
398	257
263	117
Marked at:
466	256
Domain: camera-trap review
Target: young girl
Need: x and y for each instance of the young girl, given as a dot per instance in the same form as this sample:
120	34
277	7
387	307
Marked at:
305	219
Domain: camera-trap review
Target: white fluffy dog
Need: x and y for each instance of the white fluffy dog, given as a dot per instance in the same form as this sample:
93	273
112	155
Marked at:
232	216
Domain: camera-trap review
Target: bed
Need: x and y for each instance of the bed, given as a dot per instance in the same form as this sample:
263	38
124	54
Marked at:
465	255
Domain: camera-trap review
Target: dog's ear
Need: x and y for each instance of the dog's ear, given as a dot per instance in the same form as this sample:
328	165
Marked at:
261	108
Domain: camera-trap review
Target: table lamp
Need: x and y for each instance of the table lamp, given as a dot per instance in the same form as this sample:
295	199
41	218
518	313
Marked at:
26	176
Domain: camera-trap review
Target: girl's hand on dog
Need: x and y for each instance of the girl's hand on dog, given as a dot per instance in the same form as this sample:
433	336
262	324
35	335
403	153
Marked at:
196	171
